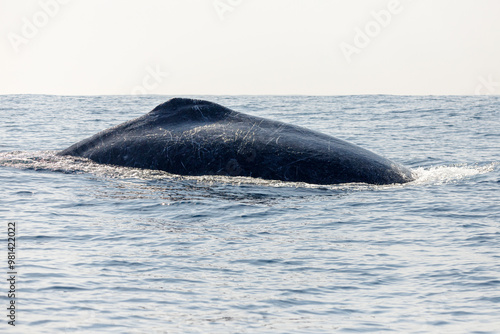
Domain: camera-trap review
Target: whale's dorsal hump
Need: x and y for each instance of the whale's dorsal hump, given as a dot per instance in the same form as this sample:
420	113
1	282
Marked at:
184	109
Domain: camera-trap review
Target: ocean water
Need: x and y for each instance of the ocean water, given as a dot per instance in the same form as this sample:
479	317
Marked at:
103	249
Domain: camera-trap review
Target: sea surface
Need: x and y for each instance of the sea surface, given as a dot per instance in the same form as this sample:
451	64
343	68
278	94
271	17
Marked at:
103	249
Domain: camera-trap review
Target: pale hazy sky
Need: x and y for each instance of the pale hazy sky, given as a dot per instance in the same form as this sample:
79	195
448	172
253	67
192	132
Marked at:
309	47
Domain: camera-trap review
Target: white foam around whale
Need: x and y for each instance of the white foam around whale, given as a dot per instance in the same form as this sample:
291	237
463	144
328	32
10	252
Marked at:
447	174
49	161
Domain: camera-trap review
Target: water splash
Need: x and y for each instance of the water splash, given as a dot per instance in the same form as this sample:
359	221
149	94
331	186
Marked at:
447	174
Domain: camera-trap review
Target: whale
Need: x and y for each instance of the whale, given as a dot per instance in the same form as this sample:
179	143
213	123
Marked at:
196	137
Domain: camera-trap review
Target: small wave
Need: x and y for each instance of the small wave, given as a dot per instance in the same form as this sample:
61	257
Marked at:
447	174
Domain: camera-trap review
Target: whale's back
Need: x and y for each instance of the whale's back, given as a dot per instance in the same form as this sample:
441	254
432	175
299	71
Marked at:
196	137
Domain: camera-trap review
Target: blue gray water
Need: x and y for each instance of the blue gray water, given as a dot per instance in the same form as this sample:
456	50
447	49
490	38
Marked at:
104	249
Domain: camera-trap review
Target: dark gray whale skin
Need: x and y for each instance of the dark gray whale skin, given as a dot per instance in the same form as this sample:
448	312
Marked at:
196	137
